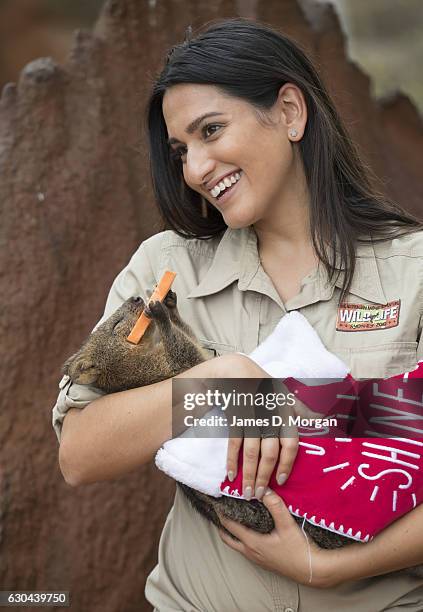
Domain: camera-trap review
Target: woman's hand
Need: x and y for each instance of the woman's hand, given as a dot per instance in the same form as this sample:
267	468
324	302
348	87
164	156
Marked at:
260	455
285	550
263	451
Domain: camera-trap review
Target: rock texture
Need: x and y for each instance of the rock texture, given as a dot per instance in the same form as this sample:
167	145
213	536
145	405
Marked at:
76	201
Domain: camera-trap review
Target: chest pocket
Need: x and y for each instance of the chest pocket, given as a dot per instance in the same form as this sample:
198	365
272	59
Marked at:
381	361
215	349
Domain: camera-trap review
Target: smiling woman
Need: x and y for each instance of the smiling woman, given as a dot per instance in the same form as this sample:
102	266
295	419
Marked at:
243	134
271	210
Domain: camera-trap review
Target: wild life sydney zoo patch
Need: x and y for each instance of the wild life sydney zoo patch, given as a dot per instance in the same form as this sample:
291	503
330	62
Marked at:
367	317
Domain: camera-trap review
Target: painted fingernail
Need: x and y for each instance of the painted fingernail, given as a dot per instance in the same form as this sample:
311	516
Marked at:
268	491
281	479
248	493
231	475
259	492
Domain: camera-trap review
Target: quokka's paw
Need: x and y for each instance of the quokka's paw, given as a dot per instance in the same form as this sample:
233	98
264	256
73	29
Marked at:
157	311
170	299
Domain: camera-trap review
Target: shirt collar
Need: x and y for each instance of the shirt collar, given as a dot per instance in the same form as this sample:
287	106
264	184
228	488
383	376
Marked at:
236	259
366	282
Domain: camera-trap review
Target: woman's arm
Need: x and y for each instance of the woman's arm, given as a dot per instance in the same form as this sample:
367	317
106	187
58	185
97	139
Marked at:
117	433
398	546
287	551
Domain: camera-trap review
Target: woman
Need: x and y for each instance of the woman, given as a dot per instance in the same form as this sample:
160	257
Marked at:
271	210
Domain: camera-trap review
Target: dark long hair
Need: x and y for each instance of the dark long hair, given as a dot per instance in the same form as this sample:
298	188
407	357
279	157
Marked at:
251	61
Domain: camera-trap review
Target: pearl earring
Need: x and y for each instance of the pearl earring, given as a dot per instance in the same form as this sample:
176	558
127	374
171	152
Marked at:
293	133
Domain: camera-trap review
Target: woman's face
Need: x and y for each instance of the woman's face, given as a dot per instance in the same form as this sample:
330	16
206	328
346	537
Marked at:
257	160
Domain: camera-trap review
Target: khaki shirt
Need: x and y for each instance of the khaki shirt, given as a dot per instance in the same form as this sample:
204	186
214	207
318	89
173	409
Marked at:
232	305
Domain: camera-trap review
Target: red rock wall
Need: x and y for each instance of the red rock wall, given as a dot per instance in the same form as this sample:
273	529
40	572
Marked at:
76	202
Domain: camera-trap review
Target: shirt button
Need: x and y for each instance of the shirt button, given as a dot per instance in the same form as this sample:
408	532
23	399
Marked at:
289	610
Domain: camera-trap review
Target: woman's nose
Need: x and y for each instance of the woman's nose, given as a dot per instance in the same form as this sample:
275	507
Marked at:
198	167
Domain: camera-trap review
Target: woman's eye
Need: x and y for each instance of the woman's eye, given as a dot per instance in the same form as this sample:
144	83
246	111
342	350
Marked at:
208	127
180	152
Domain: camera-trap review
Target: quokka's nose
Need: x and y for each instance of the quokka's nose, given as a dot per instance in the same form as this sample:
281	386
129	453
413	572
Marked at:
138	300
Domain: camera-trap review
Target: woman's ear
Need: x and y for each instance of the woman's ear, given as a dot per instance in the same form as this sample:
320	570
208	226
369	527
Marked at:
292	110
81	370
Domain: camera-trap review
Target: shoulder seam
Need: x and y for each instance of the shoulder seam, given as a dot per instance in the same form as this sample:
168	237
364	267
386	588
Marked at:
409	254
171	239
193	248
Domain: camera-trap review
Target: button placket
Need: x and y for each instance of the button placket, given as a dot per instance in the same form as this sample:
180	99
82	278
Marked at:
285	593
252	323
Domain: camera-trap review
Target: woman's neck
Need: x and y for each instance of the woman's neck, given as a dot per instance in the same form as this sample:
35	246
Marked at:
286	225
287	233
285	247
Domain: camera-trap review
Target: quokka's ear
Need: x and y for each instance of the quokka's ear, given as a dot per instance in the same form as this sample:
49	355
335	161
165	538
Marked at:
82	370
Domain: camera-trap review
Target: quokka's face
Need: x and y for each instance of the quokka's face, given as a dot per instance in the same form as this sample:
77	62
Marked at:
107	348
118	326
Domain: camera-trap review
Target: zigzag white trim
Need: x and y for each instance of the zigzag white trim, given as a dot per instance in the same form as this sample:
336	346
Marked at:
341	530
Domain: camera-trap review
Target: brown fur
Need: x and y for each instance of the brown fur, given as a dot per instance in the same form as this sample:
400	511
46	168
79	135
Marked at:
109	362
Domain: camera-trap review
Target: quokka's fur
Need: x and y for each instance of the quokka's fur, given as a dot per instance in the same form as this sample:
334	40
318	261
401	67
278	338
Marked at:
109	362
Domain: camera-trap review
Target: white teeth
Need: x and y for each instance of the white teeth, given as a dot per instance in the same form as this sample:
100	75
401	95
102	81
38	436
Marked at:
228	181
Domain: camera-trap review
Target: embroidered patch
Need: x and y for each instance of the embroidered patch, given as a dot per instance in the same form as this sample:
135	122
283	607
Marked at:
367	317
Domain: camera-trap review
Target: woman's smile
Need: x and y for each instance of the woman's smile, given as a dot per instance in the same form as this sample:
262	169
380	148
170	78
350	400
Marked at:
226	188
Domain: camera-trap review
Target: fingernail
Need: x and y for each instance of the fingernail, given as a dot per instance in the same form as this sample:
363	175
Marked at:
248	493
281	479
231	475
268	491
259	492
